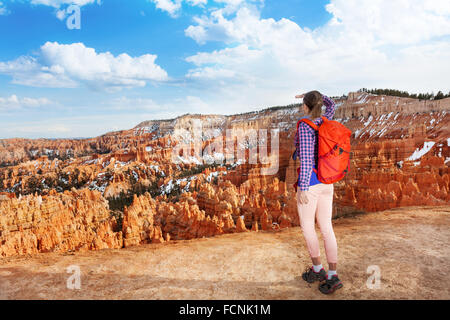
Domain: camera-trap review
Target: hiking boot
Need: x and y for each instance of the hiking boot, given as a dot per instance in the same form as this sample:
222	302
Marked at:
310	275
330	285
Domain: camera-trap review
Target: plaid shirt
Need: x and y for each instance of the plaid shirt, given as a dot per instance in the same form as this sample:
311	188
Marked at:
306	148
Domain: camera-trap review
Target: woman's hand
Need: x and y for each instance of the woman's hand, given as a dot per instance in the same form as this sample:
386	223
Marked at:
302	197
300	96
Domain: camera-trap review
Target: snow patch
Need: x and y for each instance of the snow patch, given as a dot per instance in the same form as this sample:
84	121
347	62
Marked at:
382	132
212	174
362	99
216	157
189	160
389	115
368	121
418	153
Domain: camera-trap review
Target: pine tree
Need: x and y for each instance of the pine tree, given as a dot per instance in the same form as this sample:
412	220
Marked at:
439	96
406	94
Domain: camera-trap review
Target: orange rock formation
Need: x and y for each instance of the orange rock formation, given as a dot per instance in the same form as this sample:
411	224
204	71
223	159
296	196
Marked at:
400	157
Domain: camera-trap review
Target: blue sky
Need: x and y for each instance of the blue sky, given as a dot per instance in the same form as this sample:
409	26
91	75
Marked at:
137	60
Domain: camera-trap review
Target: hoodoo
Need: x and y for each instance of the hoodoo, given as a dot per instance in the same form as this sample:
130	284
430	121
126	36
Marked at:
124	189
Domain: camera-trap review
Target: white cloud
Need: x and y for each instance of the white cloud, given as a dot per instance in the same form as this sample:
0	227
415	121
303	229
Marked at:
391	22
61	14
197	2
68	66
59	3
231	6
14	102
3	10
235	63
211	73
379	43
172	7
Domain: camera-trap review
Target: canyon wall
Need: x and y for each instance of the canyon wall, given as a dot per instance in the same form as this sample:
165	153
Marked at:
77	220
56	195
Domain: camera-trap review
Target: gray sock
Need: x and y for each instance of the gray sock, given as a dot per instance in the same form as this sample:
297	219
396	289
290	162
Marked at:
331	273
317	268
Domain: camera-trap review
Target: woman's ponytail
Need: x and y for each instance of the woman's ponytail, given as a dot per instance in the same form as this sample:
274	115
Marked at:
313	100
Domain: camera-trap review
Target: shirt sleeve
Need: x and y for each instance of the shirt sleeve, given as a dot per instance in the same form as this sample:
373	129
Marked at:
330	107
306	150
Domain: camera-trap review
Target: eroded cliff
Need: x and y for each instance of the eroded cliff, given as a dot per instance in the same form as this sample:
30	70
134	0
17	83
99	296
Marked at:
137	186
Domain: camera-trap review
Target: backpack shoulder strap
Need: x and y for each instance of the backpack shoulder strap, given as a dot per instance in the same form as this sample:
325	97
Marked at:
310	123
298	123
324	118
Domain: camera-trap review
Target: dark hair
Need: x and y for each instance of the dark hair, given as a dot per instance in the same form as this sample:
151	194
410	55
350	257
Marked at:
313	100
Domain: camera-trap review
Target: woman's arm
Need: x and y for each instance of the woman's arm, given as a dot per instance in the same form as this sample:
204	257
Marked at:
306	149
330	107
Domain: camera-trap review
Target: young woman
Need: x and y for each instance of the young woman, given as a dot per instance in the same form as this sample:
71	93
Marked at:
315	199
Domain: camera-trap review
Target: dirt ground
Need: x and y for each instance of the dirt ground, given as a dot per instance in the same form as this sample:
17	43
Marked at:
410	246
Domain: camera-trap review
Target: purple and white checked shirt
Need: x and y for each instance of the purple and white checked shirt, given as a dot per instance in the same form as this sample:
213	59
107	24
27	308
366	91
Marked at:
306	145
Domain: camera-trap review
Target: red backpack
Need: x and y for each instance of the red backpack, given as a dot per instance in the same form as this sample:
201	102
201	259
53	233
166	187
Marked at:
334	150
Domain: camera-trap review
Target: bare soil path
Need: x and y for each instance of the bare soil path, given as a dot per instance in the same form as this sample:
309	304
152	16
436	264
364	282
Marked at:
410	246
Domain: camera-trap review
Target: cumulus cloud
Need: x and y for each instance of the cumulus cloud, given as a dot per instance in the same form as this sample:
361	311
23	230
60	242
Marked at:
173	7
59	3
197	2
14	102
231	6
381	43
3	10
69	65
221	64
391	22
